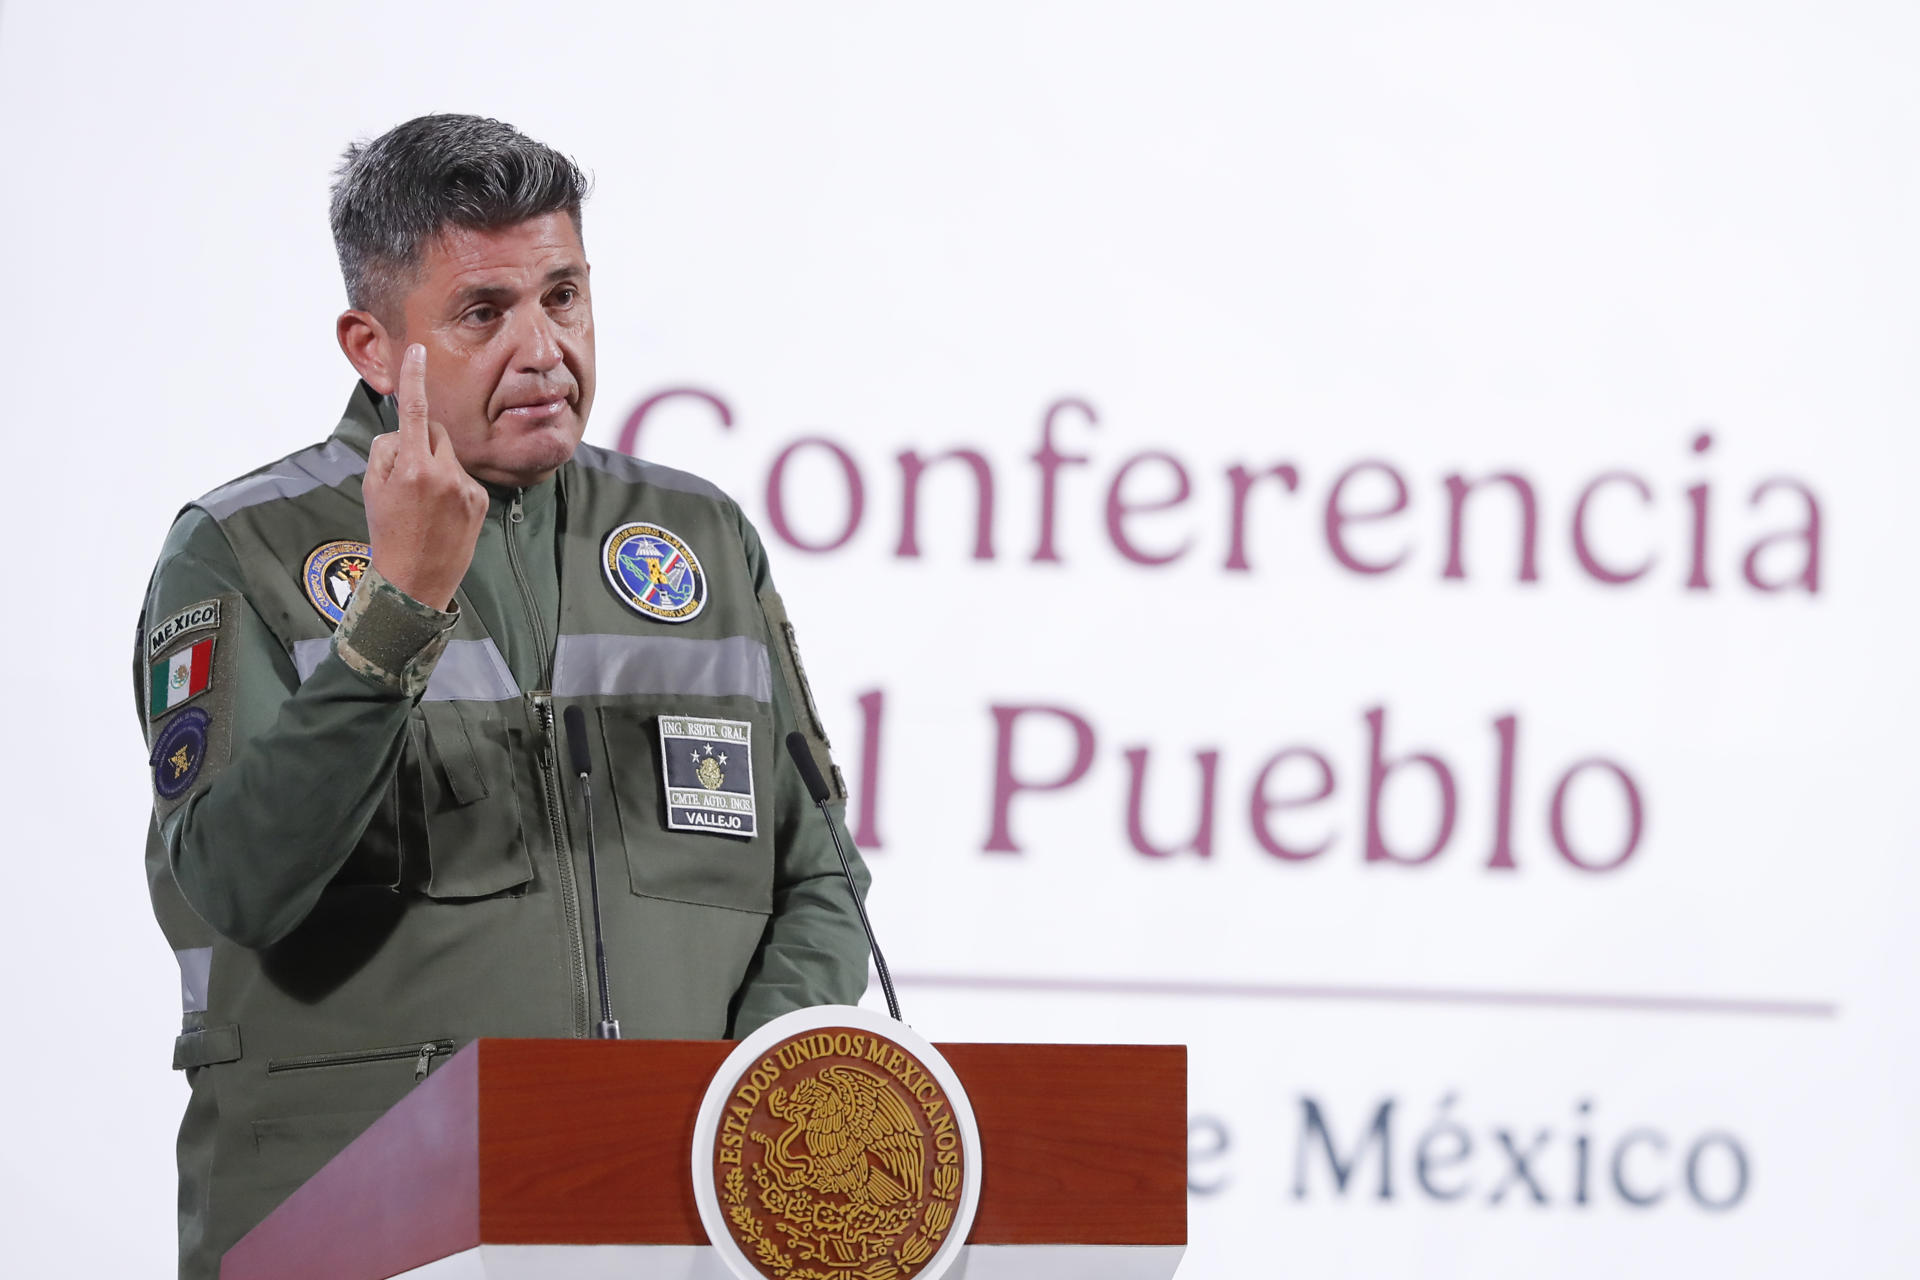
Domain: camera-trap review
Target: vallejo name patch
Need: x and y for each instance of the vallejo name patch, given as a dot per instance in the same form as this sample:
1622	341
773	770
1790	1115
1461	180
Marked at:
179	752
332	571
707	769
654	572
194	617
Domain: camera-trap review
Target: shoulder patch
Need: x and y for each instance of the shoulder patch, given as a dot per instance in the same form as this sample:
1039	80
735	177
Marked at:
195	617
179	749
190	697
654	572
332	571
179	677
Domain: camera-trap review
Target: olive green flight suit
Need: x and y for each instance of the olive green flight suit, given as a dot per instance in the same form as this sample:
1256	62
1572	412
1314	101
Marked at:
367	849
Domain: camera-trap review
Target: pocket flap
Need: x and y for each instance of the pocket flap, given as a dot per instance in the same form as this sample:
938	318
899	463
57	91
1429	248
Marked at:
452	747
466	822
709	868
205	1047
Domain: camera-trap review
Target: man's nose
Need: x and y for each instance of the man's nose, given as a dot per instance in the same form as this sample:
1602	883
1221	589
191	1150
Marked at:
538	348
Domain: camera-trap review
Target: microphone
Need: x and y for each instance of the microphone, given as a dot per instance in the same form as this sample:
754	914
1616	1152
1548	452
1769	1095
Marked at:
817	789
576	721
577	741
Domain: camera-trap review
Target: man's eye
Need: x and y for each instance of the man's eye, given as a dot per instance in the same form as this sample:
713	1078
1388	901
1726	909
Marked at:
481	315
564	295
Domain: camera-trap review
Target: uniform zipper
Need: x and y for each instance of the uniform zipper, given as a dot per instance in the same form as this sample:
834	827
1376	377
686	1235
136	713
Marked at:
516	515
549	775
422	1055
563	860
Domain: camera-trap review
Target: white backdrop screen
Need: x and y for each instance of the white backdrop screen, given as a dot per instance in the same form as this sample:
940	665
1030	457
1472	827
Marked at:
1369	540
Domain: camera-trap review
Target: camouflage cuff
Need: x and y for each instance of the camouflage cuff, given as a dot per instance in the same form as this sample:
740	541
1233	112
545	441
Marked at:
390	637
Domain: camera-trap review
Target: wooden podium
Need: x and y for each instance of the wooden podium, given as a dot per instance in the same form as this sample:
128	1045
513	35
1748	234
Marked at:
571	1158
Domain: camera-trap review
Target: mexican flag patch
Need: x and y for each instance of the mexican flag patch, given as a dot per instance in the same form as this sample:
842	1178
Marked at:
184	675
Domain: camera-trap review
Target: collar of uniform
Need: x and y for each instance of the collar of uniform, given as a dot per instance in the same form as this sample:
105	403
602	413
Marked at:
369	414
537	500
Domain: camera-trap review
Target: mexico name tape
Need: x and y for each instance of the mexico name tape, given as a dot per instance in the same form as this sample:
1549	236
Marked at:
192	618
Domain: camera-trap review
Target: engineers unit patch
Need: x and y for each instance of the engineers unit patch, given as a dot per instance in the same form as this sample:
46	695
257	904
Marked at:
707	770
179	752
332	571
654	572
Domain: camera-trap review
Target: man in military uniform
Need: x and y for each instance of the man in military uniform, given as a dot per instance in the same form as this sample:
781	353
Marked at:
350	666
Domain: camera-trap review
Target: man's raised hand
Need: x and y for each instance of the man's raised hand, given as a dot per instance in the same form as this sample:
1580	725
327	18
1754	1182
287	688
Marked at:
424	511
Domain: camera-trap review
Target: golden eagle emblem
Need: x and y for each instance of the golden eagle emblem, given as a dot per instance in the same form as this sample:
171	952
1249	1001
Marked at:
849	1135
838	1158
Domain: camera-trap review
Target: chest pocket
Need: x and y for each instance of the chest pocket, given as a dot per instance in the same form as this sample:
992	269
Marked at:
460	831
716	870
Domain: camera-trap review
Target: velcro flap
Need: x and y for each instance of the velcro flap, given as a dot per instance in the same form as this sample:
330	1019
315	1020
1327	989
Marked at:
205	1047
800	693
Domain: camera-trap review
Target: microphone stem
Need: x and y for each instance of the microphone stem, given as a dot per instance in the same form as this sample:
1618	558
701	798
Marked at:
873	943
609	1028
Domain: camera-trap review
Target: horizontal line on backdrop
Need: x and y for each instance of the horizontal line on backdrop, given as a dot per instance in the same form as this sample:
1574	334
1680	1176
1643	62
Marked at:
1384	995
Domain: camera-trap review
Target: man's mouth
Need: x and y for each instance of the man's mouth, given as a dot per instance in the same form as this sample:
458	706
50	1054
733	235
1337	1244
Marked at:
532	411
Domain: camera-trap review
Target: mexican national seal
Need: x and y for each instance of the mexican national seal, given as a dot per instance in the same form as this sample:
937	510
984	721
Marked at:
841	1147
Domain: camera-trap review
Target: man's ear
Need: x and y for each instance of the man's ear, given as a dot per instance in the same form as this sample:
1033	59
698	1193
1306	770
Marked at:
370	349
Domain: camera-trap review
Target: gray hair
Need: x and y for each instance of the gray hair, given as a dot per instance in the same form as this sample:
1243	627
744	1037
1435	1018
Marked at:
394	194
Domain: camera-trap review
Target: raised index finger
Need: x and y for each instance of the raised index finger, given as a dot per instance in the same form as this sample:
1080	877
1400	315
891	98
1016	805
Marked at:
411	396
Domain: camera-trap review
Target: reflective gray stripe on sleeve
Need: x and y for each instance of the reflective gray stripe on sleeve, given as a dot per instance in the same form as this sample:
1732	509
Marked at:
196	966
584	665
326	464
625	466
469	671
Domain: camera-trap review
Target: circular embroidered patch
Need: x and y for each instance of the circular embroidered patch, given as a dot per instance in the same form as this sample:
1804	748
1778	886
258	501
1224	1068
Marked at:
654	572
179	752
333	570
